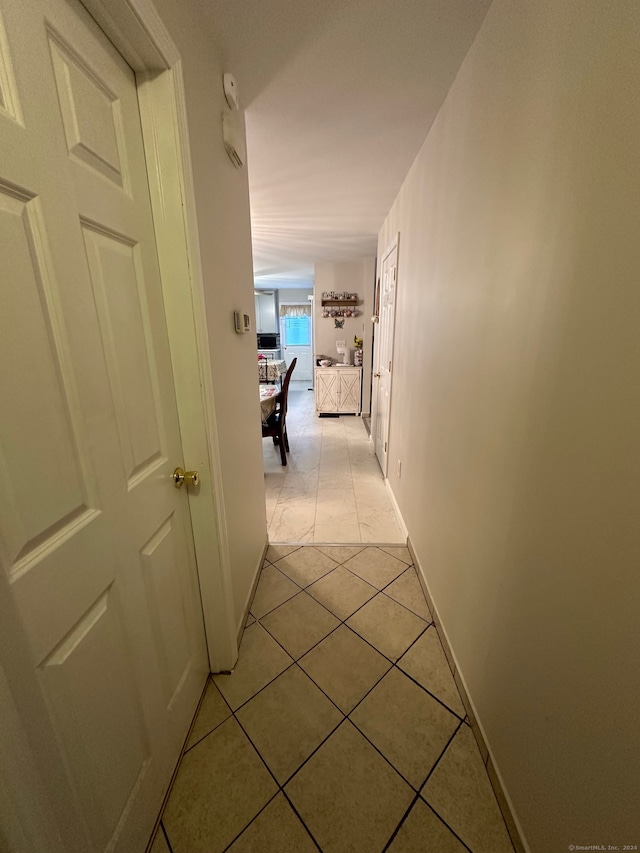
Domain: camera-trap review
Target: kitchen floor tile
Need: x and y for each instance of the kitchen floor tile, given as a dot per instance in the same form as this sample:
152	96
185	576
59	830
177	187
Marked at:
277	829
377	527
407	725
459	791
273	588
306	565
213	711
345	667
426	663
260	660
332	482
406	590
221	785
375	567
343	532
287	720
293	521
424	832
348	795
342	592
387	625
299	624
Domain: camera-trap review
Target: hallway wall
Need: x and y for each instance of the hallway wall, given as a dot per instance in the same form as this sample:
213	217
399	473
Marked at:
516	402
222	199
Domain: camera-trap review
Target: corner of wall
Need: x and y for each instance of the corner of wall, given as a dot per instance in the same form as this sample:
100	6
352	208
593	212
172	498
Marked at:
250	595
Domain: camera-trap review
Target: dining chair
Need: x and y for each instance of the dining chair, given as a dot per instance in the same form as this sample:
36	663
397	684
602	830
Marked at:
276	425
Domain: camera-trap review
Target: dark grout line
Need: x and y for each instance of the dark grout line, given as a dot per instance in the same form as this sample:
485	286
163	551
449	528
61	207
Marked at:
264	686
299	816
402	820
429	693
166	837
452	831
255	817
439	758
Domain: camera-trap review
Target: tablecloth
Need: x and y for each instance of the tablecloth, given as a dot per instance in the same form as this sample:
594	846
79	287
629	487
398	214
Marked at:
267	401
271	371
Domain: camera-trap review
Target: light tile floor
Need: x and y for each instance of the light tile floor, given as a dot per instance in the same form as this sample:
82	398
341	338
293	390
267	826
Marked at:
340	730
332	489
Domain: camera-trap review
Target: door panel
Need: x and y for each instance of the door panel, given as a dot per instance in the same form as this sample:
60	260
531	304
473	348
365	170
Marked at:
91	113
326	391
45	474
95	541
349	391
88	684
167	602
116	276
384	358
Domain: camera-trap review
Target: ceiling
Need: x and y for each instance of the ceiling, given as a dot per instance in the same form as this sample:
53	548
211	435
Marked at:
338	97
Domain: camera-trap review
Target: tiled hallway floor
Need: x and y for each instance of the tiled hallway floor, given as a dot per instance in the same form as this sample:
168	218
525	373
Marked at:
340	730
332	489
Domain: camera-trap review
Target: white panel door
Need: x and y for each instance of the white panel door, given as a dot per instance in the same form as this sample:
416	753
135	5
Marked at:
107	645
383	358
295	339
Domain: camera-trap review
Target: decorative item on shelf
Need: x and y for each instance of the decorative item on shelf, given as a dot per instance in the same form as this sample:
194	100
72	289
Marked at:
357	342
339	304
357	358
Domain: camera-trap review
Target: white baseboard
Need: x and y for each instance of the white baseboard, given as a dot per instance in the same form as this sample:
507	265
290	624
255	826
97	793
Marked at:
394	502
504	802
252	592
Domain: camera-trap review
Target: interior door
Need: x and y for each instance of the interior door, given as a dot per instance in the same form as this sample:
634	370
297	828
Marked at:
383	361
105	642
295	338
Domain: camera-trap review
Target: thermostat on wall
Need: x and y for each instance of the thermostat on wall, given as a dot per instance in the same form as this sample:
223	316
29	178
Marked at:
242	322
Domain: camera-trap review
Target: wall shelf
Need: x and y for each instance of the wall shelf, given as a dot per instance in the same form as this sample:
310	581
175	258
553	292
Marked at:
338	305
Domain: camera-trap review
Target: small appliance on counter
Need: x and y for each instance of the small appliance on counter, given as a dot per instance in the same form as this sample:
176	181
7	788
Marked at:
269	345
345	352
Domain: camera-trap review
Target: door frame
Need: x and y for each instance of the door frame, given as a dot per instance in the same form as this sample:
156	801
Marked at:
394	244
138	33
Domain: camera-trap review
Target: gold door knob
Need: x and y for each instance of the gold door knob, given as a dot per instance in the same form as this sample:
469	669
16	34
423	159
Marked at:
377	375
180	475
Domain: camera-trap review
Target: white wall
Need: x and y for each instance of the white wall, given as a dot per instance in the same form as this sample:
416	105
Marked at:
353	277
516	402
294	294
222	200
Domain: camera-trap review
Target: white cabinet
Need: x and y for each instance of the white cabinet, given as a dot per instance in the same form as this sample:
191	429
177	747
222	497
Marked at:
266	320
338	389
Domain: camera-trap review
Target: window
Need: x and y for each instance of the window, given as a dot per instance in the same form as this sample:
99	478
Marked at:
297	331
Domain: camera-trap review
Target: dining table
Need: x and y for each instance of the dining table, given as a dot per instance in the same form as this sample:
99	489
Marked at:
271	371
268	395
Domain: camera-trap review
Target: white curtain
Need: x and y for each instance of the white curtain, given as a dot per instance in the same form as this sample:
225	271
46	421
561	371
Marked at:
295	310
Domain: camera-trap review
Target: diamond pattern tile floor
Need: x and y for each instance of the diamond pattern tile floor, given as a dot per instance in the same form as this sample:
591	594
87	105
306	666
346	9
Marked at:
340	729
